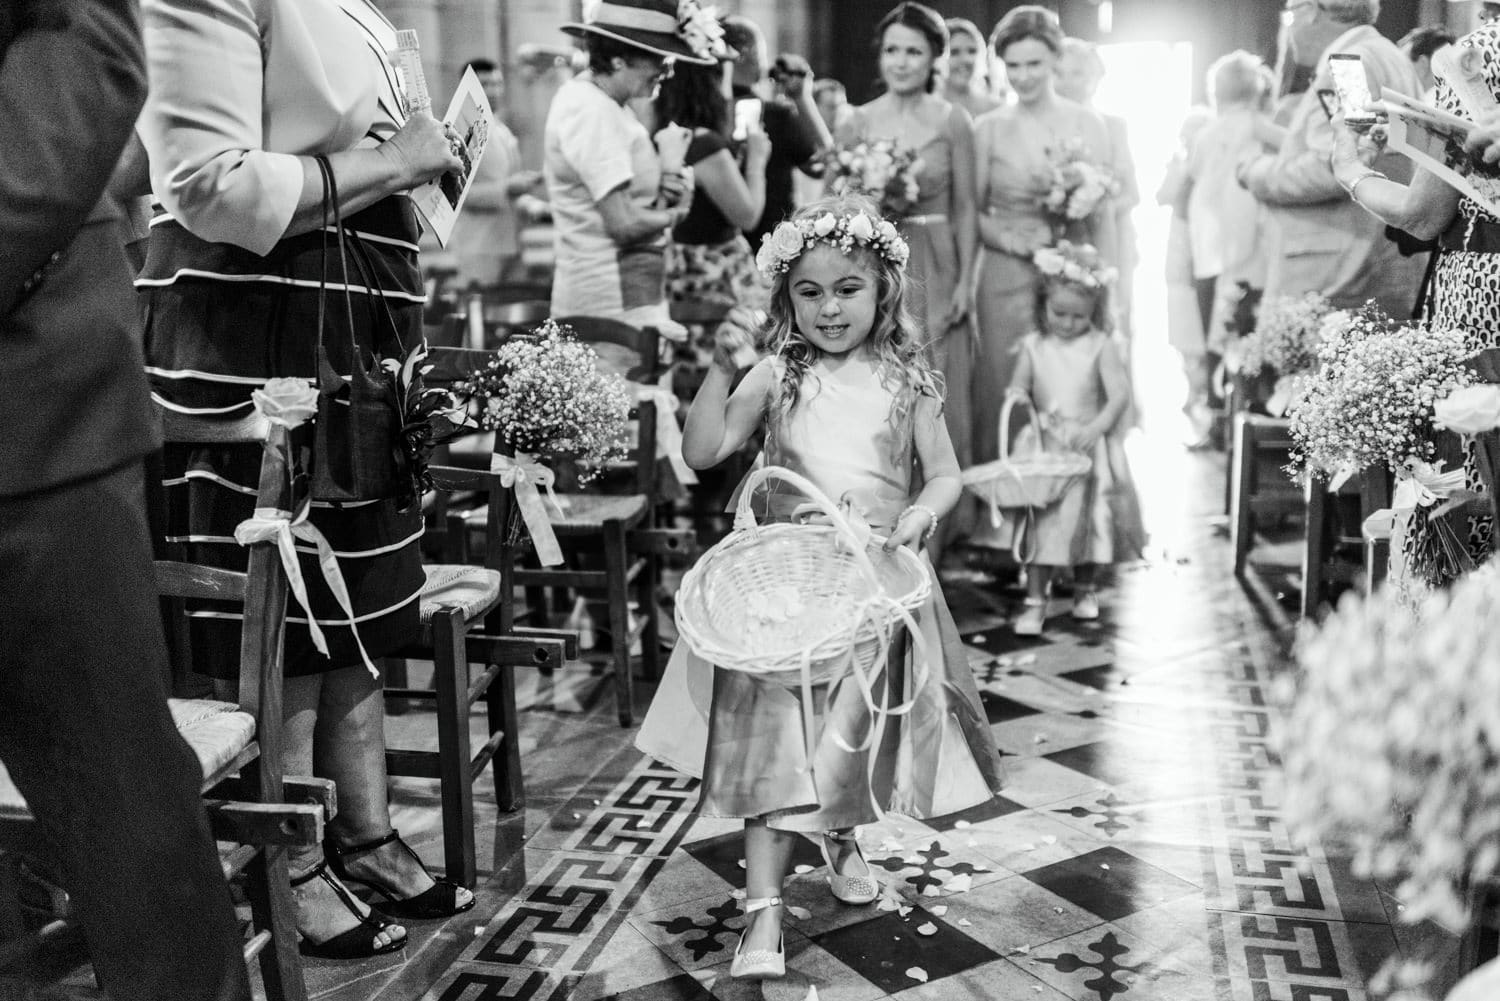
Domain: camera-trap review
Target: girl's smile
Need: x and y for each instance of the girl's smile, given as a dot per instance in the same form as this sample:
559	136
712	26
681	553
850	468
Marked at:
834	298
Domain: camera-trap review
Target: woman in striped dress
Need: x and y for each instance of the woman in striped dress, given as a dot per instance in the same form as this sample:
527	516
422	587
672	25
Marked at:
245	96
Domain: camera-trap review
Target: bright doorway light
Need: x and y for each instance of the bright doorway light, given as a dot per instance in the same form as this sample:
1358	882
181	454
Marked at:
1150	85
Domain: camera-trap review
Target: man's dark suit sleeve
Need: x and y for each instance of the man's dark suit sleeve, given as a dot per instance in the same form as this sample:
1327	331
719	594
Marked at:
70	91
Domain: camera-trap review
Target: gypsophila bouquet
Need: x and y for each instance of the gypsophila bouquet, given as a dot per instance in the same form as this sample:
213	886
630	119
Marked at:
1287	334
546	396
882	169
1078	184
1370	401
1391	742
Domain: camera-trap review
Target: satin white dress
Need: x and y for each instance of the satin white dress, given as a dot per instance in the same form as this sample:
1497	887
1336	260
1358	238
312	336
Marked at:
744	737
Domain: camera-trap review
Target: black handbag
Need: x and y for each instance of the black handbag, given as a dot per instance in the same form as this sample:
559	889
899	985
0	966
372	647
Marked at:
358	422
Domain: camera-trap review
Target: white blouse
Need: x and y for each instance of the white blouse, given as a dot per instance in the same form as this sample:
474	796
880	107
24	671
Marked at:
241	88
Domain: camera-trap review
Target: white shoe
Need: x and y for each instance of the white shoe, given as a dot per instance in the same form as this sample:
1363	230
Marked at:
1086	606
758	964
854	890
1031	621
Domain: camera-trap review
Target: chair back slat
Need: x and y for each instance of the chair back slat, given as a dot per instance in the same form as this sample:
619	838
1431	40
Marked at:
640	344
193	580
195	429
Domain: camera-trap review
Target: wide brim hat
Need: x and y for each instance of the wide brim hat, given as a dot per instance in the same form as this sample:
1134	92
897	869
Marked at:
650	25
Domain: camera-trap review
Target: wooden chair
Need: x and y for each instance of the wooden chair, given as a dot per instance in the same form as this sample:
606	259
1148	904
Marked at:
465	625
1325	539
1258	492
255	812
619	529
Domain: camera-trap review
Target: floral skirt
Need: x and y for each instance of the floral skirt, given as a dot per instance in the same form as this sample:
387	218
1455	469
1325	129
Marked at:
722	273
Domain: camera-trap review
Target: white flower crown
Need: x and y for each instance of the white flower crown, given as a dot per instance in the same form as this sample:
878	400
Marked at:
700	29
781	247
1075	265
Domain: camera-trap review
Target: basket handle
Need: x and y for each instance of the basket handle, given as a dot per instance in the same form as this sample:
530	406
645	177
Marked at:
1011	399
744	516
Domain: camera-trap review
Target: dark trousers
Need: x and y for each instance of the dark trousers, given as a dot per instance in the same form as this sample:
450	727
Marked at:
86	735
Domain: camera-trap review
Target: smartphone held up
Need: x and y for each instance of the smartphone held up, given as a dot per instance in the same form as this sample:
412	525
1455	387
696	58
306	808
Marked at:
1351	85
747	112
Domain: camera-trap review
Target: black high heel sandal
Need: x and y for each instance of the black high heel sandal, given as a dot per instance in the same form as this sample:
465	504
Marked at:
440	900
356	943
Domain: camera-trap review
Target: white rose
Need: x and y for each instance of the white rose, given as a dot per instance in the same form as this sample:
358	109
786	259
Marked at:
286	401
1469	410
861	228
824	225
785	240
886	230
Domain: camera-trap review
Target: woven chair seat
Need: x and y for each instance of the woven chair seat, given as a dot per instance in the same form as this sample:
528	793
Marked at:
473	590
216	731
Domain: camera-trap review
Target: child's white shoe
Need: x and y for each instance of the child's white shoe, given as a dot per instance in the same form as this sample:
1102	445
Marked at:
1086	606
855	890
758	964
1032	619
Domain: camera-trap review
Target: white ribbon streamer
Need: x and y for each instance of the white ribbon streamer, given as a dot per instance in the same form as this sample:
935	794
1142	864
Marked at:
668	431
1422	486
524	474
275	525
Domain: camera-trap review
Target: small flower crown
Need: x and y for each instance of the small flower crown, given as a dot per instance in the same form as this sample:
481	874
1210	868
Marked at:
780	248
1075	264
700	29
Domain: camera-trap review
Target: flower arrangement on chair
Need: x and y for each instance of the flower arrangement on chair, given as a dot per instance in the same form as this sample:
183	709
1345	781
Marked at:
546	397
884	169
1391	743
1284	344
1370	403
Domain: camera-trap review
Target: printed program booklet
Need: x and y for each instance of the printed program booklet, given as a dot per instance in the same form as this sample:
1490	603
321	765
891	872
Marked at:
439	201
1434	139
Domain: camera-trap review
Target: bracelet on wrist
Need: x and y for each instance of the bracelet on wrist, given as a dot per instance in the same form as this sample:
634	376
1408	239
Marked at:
932	518
1363	175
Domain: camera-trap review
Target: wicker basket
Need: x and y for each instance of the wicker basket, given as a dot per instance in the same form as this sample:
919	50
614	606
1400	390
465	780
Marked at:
1036	480
797	605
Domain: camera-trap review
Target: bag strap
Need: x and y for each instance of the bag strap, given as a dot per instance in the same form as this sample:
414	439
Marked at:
331	207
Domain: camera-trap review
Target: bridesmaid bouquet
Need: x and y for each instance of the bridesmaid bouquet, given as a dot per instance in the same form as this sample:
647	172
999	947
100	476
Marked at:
883	169
1078	185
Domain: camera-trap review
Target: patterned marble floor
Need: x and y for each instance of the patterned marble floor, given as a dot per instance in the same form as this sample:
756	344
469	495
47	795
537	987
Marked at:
1137	851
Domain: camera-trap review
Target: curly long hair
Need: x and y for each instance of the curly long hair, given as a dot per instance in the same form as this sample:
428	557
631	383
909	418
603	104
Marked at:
896	341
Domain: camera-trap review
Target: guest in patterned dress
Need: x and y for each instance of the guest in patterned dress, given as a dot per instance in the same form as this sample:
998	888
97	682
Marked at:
1463	290
940	226
245	96
709	260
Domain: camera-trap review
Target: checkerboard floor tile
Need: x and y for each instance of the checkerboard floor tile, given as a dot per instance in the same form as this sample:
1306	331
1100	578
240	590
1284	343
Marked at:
1136	852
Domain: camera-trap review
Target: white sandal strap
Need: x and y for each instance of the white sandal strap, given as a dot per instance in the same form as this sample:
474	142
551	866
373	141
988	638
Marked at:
753	904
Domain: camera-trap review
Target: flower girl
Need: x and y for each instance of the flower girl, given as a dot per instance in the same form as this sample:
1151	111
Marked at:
847	400
1075	377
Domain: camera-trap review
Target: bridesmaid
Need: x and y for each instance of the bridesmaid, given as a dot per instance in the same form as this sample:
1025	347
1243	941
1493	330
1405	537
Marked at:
1012	144
967	81
940	228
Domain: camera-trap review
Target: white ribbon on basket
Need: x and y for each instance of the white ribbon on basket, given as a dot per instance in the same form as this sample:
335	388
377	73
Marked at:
668	431
855	535
275	525
524	474
1422	486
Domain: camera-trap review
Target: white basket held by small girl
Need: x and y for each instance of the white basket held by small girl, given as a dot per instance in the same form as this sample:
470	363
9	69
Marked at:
1037	479
799	605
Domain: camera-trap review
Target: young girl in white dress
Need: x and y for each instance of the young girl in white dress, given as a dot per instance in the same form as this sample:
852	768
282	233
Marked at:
1074	375
846	399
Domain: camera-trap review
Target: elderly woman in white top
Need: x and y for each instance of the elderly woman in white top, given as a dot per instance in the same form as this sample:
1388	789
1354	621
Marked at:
612	202
265	118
